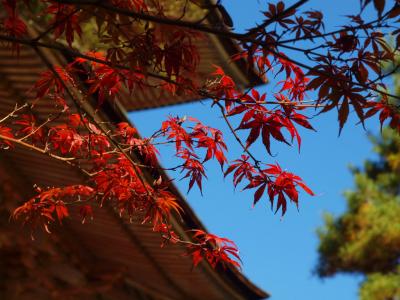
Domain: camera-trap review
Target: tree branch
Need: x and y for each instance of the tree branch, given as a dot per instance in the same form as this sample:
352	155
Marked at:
37	149
277	17
155	19
245	149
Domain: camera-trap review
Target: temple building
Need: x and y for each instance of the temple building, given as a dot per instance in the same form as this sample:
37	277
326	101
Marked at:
111	257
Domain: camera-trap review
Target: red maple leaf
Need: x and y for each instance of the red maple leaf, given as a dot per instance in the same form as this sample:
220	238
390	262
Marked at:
214	249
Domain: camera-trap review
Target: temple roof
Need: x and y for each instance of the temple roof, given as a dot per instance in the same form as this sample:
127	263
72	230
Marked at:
109	242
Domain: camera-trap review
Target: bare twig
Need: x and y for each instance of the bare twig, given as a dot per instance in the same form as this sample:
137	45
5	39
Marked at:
12	114
37	149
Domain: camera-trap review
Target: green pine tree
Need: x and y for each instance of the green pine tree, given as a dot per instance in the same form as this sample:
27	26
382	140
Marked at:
366	238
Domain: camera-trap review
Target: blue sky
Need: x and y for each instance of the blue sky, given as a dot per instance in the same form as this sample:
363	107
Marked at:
279	254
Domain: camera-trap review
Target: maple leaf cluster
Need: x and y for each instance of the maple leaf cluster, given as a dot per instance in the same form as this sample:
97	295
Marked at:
141	46
49	205
186	142
213	249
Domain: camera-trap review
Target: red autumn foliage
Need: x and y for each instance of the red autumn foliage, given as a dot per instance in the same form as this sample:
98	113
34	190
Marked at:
50	205
29	127
7	133
213	249
65	20
144	47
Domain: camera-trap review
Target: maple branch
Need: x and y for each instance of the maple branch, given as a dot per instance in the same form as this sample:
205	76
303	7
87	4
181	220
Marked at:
159	20
75	53
54	25
32	147
247	37
303	104
132	148
180	23
93	119
16	109
393	71
178	240
245	149
49	119
296	62
79	201
347	28
277	17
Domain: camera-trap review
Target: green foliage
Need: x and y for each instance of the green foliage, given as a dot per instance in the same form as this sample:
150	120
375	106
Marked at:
366	238
381	286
